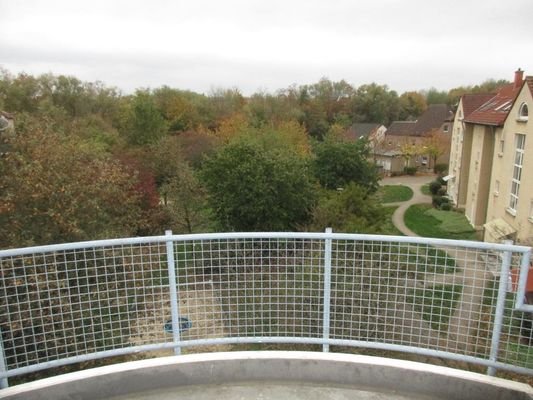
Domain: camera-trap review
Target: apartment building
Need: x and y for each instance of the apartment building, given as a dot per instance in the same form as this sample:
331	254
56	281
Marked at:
492	162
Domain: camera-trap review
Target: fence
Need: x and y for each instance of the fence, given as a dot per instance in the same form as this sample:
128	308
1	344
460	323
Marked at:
69	303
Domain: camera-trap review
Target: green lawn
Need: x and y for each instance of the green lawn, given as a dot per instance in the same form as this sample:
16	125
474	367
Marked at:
426	221
394	193
425	189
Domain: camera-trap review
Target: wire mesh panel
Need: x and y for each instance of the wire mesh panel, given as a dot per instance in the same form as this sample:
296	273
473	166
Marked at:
251	287
61	304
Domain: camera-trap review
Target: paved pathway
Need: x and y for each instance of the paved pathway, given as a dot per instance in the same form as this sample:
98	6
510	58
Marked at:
472	274
415	183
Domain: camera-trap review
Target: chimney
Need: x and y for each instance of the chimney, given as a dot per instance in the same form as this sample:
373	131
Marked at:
518	78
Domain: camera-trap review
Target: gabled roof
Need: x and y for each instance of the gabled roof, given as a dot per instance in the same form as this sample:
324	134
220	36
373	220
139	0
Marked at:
362	129
401	128
431	119
472	102
494	111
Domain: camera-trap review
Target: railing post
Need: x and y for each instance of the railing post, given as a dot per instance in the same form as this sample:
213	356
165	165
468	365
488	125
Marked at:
327	291
3	368
174	301
500	308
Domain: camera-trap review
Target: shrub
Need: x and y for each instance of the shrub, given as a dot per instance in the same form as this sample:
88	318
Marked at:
434	187
439	200
440	169
441	191
410	170
446	206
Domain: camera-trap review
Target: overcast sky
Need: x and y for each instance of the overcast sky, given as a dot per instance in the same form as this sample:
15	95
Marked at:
270	44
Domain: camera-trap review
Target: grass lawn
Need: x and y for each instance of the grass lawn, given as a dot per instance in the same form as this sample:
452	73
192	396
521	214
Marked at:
388	228
426	221
436	304
425	189
394	193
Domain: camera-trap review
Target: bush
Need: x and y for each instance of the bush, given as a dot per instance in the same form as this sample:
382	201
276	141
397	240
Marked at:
434	187
439	200
446	207
410	170
440	169
441	191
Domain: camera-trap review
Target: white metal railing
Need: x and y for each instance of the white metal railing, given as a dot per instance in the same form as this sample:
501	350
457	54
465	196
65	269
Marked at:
74	302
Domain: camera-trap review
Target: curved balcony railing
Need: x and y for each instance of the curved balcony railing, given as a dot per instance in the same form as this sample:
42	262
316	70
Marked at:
68	303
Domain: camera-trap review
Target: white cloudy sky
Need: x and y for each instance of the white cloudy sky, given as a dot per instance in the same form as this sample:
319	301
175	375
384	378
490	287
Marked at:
269	44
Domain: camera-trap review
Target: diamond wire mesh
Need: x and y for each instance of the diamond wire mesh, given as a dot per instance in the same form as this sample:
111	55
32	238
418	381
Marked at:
77	302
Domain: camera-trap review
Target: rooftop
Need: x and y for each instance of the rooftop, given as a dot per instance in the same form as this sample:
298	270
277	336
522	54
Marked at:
364	129
431	119
494	111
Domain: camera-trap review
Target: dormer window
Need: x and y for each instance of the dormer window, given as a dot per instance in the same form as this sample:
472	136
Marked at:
523	112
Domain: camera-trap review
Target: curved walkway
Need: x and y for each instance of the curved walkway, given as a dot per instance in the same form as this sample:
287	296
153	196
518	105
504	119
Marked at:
471	275
415	183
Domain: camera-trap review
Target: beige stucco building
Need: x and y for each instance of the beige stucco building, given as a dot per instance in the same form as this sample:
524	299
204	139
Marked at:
491	162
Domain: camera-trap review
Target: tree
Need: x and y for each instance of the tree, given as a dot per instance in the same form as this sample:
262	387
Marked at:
185	201
183	196
434	96
145	124
409	150
436	144
351	210
338	163
254	188
412	105
375	103
58	188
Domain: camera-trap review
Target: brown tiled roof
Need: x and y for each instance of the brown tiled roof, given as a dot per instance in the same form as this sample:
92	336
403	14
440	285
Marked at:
362	129
431	119
494	111
472	102
401	128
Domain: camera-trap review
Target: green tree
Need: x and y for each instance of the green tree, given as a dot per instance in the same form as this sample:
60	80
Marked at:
434	96
145	124
254	188
412	105
351	210
375	103
185	201
337	163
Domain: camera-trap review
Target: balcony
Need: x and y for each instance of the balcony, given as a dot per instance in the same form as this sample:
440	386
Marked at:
167	295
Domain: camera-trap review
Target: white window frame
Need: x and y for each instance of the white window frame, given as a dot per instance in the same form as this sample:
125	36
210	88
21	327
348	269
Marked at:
520	142
523	112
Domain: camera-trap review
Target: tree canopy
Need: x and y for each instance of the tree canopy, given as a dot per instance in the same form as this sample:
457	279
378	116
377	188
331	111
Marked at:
253	188
338	163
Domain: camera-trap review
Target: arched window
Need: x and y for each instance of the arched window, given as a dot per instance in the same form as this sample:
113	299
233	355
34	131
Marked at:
523	112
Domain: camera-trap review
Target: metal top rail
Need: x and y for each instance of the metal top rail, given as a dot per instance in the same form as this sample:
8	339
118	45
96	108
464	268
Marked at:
263	235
